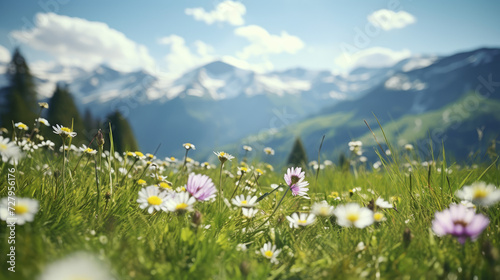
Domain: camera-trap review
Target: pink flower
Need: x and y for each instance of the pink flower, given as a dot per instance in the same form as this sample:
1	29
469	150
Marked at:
201	187
460	222
294	178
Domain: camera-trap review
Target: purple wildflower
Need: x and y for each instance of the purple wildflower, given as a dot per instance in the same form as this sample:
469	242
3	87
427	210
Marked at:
294	178
460	222
201	187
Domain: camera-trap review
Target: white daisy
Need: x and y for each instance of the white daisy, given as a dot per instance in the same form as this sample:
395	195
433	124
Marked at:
322	209
79	265
355	147
21	126
189	146
303	219
223	157
181	202
408	147
43	121
247	148
242	201
9	151
23	211
249	212
269	251
380	202
269	151
63	131
352	214
480	193
88	150
152	198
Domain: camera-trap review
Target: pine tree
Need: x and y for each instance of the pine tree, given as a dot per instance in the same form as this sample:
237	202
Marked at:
21	99
63	111
298	156
123	136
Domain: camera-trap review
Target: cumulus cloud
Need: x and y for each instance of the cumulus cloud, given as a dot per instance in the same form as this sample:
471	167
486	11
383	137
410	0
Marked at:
387	19
181	58
77	41
4	55
372	58
227	11
263	43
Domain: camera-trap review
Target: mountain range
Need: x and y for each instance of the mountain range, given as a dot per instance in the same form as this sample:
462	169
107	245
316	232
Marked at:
220	105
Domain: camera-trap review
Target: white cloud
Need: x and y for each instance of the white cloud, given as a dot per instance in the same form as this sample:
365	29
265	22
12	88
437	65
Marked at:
387	19
227	11
4	55
181	58
372	58
263	43
76	41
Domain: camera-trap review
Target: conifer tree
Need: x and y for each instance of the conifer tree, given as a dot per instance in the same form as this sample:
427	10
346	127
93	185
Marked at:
298	156
21	97
123	136
63	111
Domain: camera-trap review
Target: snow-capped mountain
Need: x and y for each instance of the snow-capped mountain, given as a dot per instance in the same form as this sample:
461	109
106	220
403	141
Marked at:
217	80
429	100
219	103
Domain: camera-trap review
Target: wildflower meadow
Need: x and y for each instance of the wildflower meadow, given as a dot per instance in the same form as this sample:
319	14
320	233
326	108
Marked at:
88	212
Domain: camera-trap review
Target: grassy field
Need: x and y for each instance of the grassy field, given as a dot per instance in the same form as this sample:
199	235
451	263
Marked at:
216	241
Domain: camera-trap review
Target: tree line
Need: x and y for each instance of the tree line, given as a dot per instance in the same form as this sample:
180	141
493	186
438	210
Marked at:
19	103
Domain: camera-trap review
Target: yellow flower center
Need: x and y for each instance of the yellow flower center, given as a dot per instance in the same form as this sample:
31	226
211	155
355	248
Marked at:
244	202
66	130
183	189
378	217
301	222
3	147
480	193
181	206
130	154
139	154
323	211
141	182
172	159
20	209
165	185
222	154
89	150
244	169
23	126
268	254
154	200
259	171
334	195
353	217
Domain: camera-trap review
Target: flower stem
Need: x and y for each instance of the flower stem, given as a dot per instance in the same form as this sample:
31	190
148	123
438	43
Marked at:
123	179
185	159
63	171
277	206
97	185
220	186
237	185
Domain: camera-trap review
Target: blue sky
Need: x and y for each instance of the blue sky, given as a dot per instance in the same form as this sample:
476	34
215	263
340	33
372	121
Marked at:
175	36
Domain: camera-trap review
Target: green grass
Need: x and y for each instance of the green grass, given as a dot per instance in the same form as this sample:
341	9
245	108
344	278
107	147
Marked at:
138	245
